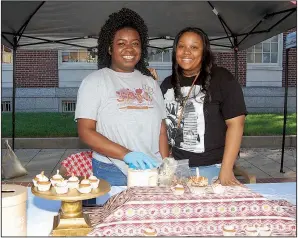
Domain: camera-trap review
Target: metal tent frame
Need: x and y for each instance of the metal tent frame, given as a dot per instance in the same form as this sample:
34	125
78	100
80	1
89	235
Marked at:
290	43
236	40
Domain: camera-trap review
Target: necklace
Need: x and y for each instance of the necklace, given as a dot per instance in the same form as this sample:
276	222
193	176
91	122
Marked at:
195	74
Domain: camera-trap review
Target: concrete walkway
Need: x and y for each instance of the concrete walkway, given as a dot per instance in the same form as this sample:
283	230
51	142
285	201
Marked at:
262	162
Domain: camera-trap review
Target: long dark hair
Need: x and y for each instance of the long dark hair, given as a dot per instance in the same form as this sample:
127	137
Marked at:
207	64
119	20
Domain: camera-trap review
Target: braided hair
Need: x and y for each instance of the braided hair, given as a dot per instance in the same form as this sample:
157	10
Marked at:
207	64
117	21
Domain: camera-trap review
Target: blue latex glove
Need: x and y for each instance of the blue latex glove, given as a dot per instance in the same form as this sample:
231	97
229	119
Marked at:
140	160
131	166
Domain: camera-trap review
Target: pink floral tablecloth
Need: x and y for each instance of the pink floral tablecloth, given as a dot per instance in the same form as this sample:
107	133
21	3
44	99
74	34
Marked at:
137	208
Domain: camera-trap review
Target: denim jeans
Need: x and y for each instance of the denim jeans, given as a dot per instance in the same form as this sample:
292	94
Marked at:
109	172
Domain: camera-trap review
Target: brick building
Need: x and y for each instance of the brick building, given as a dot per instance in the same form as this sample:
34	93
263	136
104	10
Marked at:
49	80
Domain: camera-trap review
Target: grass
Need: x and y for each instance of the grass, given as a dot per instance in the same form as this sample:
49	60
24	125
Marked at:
45	124
63	125
269	124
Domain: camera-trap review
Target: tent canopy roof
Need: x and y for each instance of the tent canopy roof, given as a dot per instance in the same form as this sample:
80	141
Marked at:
82	20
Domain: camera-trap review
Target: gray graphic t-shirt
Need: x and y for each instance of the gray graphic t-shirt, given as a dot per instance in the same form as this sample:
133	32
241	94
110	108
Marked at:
128	109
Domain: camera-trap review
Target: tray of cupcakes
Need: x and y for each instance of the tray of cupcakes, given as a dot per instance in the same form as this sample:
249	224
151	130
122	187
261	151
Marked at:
73	186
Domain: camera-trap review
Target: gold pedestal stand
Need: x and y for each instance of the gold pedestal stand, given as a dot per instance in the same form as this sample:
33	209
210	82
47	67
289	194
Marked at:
71	221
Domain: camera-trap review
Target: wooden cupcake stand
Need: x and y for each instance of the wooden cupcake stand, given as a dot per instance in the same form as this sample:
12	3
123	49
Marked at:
71	221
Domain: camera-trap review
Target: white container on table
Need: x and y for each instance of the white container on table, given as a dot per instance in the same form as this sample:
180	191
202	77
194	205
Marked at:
14	210
147	177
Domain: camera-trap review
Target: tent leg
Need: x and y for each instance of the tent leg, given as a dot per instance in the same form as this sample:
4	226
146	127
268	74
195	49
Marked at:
236	63
15	42
285	113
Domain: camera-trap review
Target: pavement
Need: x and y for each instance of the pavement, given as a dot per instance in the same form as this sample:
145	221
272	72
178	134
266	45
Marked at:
264	163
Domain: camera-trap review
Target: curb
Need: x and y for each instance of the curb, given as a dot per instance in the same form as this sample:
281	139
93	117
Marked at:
75	143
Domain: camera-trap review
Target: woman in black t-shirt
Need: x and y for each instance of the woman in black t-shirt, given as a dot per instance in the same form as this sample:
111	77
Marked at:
213	116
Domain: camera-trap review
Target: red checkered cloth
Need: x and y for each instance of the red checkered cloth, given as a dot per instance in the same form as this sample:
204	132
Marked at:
78	164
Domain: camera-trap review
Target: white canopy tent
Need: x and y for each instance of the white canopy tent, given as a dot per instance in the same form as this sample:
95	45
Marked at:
230	25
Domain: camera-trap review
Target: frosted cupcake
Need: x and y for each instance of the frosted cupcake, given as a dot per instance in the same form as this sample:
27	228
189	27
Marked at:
57	178
149	232
61	187
264	231
94	181
217	188
251	231
178	189
198	185
36	178
229	230
73	182
85	186
43	184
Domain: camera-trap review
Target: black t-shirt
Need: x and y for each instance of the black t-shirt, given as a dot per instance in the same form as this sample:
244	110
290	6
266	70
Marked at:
201	135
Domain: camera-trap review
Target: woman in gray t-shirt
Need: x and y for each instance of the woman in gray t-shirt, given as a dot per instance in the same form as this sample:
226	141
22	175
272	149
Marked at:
120	109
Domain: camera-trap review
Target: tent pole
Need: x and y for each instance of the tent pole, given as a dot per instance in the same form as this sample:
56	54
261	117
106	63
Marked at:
236	57
15	45
285	113
236	63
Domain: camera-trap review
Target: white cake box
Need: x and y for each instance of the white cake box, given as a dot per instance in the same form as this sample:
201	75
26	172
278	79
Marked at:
147	177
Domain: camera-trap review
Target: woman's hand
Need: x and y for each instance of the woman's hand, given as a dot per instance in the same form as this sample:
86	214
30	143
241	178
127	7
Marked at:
140	160
227	178
154	73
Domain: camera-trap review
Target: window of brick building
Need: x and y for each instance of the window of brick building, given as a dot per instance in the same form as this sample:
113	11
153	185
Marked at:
267	52
6	55
78	56
157	55
84	56
68	105
5	106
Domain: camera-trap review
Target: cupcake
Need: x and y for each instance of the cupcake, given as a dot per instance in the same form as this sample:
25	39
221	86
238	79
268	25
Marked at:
198	185
264	231
251	231
85	181
94	181
37	177
218	188
85	186
61	187
57	178
178	189
43	184
149	231
229	230
73	182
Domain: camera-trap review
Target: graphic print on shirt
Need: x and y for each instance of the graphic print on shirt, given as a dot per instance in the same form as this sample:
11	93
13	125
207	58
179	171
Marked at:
139	98
190	135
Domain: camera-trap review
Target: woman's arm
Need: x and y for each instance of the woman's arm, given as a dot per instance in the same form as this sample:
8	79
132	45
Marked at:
163	140
97	142
235	127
